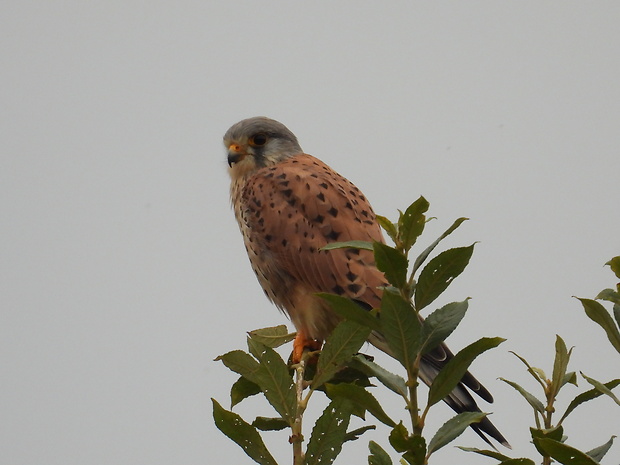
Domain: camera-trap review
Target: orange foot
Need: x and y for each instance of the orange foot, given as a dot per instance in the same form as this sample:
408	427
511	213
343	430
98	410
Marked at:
301	343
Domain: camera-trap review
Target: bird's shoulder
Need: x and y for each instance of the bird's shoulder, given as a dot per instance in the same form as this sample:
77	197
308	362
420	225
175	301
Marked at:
305	188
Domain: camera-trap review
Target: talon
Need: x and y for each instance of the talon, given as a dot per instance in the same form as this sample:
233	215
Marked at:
301	343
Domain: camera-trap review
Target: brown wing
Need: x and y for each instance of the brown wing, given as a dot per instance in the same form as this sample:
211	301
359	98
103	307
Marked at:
301	205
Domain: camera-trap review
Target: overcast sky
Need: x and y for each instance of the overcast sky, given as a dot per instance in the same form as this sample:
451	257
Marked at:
122	270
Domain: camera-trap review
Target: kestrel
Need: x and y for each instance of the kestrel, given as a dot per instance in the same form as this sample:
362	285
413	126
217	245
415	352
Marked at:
289	205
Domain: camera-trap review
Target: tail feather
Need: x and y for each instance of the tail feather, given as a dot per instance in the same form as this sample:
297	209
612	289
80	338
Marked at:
439	356
460	399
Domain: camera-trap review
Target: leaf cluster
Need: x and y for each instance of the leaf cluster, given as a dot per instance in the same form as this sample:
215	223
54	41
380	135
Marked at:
548	435
262	370
599	314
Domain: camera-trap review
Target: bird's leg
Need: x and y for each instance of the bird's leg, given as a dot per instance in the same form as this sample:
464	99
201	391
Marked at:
301	343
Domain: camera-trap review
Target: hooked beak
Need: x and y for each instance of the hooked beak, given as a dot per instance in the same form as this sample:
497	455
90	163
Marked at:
235	154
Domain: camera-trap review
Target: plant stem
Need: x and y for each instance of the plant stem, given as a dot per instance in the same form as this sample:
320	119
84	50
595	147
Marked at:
414	411
297	436
547	416
549	408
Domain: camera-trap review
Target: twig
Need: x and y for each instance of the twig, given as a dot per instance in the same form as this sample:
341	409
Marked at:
297	436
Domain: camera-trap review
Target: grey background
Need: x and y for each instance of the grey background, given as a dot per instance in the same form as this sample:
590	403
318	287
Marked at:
123	274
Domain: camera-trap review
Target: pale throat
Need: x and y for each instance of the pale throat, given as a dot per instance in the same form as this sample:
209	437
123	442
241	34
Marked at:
240	171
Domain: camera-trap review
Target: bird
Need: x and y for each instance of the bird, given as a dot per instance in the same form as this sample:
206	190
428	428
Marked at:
289	205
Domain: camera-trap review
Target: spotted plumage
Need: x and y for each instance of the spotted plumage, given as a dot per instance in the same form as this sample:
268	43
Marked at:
287	212
289	205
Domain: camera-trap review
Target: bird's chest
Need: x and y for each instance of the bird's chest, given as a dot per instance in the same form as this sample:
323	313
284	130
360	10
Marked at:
249	215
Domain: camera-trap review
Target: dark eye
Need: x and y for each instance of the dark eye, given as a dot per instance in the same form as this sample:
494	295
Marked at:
259	139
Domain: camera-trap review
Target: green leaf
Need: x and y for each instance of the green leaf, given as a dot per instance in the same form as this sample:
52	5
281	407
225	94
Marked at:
424	255
610	295
342	343
614	264
560	364
348	374
245	435
586	396
599	452
487	453
453	428
378	456
440	324
555	434
519	461
277	384
411	223
453	371
270	374
241	389
356	409
504	459
401	328
597	313
601	387
329	433
388	227
255	348
349	310
242	363
355	434
439	273
361	398
562	453
270	424
416	453
570	377
363	245
392	263
393	382
399	438
272	337
537	373
536	404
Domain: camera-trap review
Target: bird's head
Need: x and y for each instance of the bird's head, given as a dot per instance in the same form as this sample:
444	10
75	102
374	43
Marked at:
257	142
